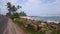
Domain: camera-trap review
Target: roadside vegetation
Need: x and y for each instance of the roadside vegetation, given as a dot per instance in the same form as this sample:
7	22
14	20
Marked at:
30	26
31	30
28	29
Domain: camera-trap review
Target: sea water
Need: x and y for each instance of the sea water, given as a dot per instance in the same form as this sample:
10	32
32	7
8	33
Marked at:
48	19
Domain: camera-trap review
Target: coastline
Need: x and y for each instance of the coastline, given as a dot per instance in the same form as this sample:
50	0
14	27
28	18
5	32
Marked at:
48	21
37	25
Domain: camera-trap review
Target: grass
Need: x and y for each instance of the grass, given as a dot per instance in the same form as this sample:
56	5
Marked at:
54	32
28	29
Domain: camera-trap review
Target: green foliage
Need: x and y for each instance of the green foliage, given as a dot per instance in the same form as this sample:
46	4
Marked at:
28	29
19	22
54	31
9	6
12	9
15	15
22	14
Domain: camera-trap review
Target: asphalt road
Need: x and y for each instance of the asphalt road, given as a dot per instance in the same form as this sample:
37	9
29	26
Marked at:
3	24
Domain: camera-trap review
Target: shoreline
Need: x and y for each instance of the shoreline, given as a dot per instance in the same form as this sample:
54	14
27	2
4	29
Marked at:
37	25
48	21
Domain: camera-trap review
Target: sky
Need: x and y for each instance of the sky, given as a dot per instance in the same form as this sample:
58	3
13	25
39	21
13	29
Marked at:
34	7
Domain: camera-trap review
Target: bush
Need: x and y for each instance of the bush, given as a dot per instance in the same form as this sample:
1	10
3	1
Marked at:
19	22
16	15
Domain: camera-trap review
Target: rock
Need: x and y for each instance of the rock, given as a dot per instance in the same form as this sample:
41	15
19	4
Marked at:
48	32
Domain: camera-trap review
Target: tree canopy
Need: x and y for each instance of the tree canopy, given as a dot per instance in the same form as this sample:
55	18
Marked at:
12	11
12	8
22	14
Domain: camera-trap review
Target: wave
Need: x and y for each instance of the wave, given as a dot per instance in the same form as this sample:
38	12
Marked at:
52	21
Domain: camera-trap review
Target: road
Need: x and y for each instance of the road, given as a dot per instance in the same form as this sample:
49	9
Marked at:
8	27
3	24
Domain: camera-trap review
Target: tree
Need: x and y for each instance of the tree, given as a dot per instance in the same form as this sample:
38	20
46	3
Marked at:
22	14
12	9
15	15
9	6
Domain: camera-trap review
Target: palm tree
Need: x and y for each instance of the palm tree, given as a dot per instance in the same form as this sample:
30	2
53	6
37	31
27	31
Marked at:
9	6
12	9
22	13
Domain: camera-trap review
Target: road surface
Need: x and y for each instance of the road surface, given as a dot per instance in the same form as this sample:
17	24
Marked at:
8	27
3	24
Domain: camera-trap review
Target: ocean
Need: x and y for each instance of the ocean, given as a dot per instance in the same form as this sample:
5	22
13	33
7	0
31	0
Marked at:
48	19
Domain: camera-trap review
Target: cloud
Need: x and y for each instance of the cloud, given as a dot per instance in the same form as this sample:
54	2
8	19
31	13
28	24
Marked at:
36	7
48	1
3	9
